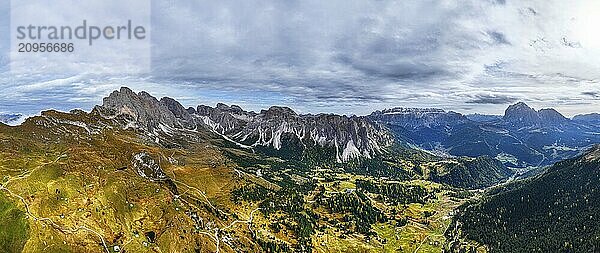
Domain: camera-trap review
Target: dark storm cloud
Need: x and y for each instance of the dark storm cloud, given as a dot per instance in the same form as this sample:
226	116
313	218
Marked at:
316	50
491	99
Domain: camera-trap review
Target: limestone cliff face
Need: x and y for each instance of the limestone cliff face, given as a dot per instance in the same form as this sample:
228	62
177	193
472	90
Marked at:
143	108
351	137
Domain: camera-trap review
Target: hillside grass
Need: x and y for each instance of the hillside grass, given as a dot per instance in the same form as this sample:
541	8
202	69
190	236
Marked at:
14	229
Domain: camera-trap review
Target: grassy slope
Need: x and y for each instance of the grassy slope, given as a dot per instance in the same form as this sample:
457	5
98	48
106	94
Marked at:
14	229
71	177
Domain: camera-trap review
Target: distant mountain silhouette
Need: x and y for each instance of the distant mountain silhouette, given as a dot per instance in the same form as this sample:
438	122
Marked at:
521	137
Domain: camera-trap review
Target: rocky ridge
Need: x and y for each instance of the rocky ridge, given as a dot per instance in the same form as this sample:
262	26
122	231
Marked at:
352	137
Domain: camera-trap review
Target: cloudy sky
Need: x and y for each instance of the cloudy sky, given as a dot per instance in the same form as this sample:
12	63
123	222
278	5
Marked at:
348	57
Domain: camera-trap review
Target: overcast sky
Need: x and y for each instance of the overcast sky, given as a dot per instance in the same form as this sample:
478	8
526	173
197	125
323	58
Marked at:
347	57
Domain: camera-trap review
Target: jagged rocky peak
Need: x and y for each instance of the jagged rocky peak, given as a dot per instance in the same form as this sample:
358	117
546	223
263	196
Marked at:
220	108
175	107
205	110
145	109
523	115
223	119
185	118
279	112
191	110
551	115
229	108
519	109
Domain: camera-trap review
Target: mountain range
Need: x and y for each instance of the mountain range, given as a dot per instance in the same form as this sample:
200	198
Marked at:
278	129
522	137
